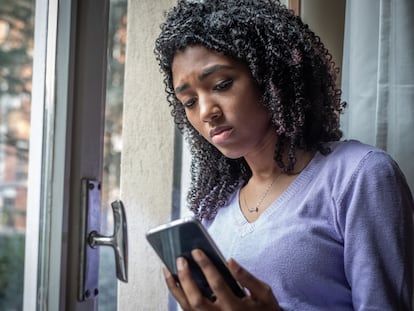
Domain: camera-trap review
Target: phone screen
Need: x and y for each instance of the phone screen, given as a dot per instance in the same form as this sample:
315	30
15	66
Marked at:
179	238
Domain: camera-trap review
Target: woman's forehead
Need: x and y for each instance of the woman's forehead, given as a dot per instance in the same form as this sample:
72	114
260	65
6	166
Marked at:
201	61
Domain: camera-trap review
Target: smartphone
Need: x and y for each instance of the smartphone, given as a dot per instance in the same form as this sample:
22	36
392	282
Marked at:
179	238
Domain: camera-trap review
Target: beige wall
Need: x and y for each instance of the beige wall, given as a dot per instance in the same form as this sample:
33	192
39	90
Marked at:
147	157
327	19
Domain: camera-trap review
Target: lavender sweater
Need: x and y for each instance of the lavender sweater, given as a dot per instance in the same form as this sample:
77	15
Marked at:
339	238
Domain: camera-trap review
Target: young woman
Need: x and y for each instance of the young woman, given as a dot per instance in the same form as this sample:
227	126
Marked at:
309	222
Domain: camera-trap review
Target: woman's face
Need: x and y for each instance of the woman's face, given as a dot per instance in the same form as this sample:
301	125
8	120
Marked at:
221	100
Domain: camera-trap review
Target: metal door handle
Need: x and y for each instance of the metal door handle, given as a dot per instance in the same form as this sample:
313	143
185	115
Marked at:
118	241
90	239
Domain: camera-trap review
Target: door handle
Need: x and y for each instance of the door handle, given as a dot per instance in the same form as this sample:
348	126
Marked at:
91	239
118	241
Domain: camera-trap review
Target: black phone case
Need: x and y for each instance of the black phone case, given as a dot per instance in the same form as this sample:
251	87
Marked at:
179	238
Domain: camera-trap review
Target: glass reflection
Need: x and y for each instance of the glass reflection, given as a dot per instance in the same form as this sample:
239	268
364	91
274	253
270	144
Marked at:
112	146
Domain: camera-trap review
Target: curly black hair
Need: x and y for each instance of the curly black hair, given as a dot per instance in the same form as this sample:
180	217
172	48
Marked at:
291	66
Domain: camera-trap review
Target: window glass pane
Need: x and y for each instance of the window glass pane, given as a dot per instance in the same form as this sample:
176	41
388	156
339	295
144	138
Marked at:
112	147
16	48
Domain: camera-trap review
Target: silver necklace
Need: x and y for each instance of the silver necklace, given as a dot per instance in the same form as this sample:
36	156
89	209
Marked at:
256	208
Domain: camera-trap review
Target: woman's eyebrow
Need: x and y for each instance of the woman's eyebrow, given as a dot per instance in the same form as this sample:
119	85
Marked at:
180	88
207	72
210	70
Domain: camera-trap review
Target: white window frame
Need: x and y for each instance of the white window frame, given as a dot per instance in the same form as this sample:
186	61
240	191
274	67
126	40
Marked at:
67	117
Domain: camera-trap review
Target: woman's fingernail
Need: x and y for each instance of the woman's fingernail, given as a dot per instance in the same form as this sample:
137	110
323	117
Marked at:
180	263
234	265
196	253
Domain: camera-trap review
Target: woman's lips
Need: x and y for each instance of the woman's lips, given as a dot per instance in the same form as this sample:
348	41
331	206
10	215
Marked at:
220	134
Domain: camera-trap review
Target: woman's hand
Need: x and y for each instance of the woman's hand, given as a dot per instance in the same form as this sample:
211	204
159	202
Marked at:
187	294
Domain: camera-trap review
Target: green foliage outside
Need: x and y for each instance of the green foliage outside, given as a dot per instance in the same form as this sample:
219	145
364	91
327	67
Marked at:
11	271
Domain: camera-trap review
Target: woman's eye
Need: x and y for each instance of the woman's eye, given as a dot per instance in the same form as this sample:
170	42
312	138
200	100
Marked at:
189	103
223	85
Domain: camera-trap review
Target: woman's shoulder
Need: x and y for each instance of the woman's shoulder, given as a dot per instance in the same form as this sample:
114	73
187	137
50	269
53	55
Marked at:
354	163
353	153
352	147
350	160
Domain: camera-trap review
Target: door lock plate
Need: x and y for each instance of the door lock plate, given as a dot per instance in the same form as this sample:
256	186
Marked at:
89	265
91	239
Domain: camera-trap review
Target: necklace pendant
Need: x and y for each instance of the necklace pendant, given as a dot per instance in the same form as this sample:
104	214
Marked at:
256	209
253	210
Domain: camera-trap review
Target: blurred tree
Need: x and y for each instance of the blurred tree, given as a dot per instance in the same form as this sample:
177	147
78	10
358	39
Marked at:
16	45
11	272
16	49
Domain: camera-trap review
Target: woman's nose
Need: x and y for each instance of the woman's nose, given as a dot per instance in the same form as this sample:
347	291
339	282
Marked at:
209	110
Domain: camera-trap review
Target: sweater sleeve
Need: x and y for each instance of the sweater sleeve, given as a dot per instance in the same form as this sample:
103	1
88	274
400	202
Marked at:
375	216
